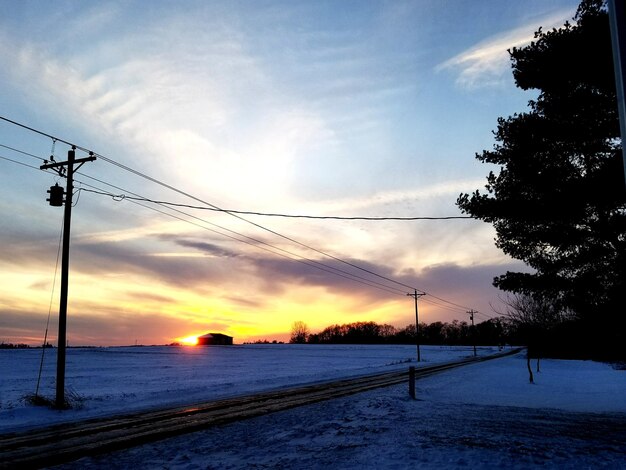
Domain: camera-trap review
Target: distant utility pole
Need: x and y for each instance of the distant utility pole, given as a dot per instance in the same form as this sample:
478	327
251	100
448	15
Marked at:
415	295
471	314
56	199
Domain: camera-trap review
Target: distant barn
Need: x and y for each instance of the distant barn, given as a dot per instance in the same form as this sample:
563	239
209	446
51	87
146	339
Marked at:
213	339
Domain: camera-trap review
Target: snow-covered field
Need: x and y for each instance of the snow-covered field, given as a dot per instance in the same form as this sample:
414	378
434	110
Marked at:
484	415
121	379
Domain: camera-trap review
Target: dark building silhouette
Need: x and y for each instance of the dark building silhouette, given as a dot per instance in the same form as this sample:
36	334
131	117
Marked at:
212	339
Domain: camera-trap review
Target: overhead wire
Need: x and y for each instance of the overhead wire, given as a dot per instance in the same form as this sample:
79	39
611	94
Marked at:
184	193
172	188
257	242
22	152
54	280
452	306
425	299
266	214
447	302
165	185
442	303
18	162
485	315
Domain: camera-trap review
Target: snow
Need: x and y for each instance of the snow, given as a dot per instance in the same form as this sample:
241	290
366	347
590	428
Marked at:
485	415
121	379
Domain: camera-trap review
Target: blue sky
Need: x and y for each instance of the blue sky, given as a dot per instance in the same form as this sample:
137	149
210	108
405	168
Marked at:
364	108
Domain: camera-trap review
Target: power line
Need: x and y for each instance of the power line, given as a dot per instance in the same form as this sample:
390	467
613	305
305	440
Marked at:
22	152
450	308
442	303
232	213
256	243
45	337
165	185
36	131
445	304
149	178
172	188
179	191
304	260
432	296
19	163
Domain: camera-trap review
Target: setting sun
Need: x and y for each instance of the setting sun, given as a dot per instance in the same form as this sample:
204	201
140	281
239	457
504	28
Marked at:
189	340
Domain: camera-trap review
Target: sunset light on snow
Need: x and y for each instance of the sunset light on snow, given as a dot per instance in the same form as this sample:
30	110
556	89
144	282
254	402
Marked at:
296	108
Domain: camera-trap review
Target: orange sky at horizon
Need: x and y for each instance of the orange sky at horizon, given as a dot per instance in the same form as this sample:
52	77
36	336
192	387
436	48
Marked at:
117	298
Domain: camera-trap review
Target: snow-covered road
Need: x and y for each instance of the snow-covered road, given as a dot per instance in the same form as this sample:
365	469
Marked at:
385	429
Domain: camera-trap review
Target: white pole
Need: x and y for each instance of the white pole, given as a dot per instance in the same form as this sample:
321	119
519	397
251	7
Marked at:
617	19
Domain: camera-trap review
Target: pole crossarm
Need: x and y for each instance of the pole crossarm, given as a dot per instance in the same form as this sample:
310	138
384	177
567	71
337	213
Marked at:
46	166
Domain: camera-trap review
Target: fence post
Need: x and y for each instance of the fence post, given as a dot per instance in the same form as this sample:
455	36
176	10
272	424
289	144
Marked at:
412	382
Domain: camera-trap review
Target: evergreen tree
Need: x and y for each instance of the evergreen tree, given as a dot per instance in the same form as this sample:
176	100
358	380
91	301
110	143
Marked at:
558	202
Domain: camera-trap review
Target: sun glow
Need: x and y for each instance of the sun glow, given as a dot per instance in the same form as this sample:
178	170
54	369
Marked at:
189	340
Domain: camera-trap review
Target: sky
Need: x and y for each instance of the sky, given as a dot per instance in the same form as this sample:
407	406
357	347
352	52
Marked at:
322	108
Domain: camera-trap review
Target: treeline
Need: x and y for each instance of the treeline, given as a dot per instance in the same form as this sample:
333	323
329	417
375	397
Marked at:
491	332
4	345
264	341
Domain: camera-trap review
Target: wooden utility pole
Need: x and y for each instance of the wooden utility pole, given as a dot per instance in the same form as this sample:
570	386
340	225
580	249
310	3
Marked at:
60	167
415	295
471	314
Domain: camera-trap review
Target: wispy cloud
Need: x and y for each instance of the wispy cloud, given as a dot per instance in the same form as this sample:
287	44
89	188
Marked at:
486	64
179	91
398	198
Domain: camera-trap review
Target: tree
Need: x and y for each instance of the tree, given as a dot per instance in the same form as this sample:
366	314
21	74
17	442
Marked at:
558	202
363	333
387	332
490	331
534	321
523	309
299	332
432	333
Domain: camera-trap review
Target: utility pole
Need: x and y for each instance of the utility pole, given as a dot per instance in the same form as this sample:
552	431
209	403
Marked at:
61	168
617	20
415	295
471	314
